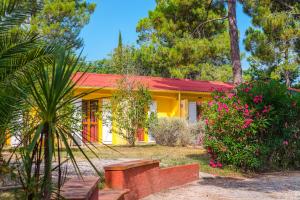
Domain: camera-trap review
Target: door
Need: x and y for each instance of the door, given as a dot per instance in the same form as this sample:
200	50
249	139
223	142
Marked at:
106	122
192	112
89	120
93	121
152	109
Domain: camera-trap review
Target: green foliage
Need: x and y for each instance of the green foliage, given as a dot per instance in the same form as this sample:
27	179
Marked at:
60	21
185	47
273	42
255	129
21	50
129	106
48	91
35	98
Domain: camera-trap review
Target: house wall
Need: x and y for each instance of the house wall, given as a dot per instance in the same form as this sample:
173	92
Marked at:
169	104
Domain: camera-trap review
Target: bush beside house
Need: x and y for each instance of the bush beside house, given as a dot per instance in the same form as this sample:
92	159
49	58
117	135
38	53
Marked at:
255	129
176	131
129	105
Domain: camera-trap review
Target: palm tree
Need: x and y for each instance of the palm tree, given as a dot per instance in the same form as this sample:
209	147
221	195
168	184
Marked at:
19	50
49	93
35	77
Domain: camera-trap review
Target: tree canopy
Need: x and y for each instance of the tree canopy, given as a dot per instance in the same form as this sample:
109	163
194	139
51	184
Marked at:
274	39
61	20
186	39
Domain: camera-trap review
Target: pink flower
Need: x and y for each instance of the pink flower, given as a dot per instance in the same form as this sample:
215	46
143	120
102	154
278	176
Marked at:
212	163
285	142
206	121
209	150
230	95
257	99
225	107
246	113
247	89
266	109
247	123
211	103
219	165
222	106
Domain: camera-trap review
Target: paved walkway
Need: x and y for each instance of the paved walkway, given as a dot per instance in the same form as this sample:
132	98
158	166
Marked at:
267	186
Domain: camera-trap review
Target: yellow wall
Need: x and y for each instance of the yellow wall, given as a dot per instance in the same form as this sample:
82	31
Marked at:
168	105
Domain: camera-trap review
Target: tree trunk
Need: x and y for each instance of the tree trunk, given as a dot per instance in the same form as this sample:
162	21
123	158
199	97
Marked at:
234	43
286	71
47	182
287	78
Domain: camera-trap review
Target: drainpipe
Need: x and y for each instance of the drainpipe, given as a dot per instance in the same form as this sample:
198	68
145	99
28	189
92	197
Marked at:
179	99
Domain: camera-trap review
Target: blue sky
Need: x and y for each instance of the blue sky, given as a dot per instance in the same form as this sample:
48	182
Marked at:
101	34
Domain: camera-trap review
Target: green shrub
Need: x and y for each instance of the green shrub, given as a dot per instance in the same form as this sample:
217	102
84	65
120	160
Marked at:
256	128
174	131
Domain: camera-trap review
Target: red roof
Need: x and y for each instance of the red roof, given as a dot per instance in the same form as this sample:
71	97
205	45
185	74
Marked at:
153	83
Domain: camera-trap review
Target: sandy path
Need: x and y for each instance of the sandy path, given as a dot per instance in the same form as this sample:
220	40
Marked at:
267	186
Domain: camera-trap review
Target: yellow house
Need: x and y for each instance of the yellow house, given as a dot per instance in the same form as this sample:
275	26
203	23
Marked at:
171	98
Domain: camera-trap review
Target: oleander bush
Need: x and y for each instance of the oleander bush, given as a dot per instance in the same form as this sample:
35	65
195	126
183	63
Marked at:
175	131
257	128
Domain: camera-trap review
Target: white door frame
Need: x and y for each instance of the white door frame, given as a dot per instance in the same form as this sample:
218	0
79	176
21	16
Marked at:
192	111
152	109
77	115
106	122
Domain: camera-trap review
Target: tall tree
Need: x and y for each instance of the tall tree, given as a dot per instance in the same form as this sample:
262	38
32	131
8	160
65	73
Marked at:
234	43
120	41
61	20
177	40
273	41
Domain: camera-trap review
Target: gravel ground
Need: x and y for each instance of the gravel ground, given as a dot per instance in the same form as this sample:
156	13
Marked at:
264	187
85	169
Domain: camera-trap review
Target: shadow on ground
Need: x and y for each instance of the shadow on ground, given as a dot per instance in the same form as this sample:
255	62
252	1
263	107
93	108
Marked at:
265	183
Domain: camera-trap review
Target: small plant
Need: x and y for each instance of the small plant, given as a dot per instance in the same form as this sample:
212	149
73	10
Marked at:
129	105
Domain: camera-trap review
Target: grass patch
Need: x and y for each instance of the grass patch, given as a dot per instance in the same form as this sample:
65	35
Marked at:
169	156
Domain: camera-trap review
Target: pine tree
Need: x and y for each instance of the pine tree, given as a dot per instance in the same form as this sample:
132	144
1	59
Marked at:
177	40
234	43
120	42
273	40
61	21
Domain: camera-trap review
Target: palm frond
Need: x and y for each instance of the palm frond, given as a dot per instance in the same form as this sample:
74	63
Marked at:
13	13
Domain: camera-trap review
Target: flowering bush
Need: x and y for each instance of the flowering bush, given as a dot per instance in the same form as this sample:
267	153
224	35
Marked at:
256	128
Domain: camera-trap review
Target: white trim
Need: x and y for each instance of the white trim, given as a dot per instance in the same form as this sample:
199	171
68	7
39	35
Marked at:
78	121
106	122
152	109
192	112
